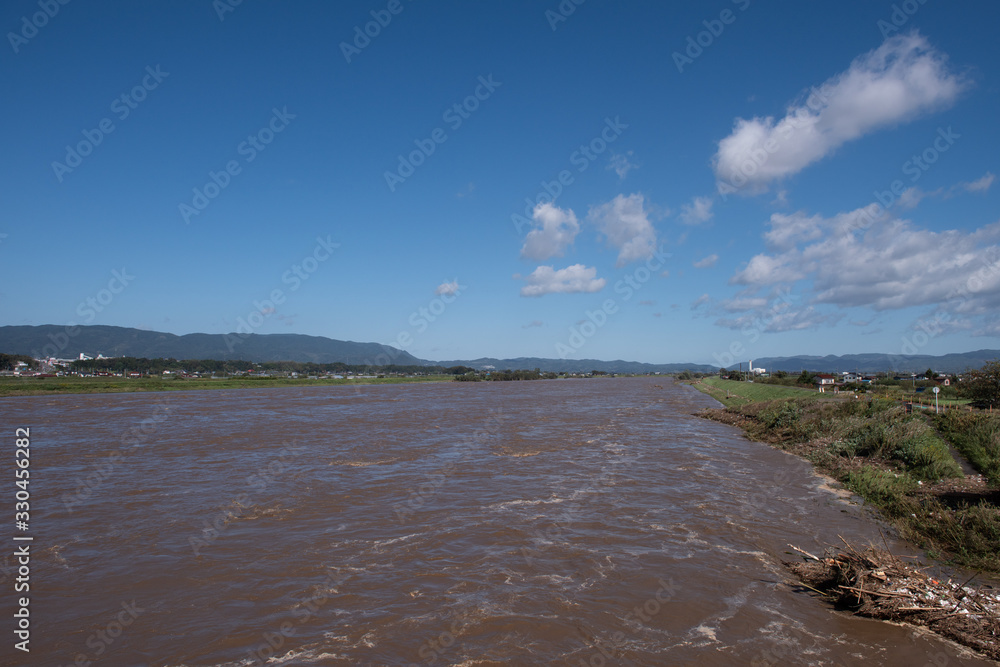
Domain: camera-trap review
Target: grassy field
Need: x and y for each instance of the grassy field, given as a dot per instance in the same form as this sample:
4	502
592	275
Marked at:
977	437
731	392
897	461
30	386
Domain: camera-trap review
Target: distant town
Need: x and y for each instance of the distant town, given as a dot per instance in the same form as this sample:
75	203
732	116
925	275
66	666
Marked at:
128	367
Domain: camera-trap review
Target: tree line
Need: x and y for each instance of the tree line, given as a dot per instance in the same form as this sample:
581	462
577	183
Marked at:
157	366
504	376
9	361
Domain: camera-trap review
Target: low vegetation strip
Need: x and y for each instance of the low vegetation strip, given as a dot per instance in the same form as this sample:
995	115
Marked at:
731	392
894	459
977	437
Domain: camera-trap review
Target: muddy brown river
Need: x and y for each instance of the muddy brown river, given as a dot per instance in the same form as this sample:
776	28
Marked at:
566	522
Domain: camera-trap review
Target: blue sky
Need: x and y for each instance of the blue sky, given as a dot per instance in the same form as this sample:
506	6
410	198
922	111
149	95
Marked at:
722	174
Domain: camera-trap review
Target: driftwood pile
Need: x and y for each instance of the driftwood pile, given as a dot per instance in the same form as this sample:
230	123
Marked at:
874	583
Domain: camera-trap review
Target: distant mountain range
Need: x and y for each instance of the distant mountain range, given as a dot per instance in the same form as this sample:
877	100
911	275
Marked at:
61	342
872	363
575	365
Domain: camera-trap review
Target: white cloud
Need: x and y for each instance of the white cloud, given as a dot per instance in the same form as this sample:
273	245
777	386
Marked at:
912	197
787	230
766	270
741	304
781	320
575	278
532	324
625	223
901	79
555	230
707	262
448	288
701	301
887	266
981	185
621	165
697	212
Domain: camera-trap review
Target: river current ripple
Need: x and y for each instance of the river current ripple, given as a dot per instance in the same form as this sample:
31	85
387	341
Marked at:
573	522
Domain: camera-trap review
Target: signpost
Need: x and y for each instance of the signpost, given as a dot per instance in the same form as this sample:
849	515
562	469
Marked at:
937	390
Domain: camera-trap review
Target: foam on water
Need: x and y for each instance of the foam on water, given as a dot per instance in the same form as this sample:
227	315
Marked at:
457	523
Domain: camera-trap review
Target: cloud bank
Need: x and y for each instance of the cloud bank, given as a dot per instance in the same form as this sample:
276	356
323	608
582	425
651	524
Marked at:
575	278
555	229
844	263
901	79
625	223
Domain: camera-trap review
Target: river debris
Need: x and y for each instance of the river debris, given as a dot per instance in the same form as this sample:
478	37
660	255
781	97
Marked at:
875	583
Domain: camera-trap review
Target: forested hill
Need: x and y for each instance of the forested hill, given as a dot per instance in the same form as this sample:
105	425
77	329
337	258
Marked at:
874	362
64	342
575	365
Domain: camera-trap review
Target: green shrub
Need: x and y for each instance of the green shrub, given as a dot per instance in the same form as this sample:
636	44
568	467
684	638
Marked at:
977	437
785	415
882	488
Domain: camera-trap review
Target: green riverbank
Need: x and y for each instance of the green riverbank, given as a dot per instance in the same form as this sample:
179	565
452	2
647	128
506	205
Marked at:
900	463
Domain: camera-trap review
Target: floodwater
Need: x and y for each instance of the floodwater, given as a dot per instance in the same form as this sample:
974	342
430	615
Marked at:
567	522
